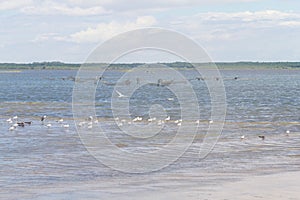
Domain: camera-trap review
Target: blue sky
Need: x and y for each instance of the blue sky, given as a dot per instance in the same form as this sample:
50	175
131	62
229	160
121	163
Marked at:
229	30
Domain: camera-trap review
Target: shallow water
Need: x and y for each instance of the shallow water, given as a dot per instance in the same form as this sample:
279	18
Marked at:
52	163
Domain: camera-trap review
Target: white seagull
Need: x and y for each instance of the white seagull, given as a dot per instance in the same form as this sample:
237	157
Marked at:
9	120
120	95
137	119
151	119
80	124
66	125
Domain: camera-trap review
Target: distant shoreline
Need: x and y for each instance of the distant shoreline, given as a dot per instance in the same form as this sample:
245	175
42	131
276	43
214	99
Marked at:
179	65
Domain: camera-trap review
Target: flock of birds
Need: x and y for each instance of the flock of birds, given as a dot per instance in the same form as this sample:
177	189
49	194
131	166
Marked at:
15	123
150	120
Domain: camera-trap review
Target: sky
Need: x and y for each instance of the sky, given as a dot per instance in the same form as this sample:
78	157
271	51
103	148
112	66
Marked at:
228	30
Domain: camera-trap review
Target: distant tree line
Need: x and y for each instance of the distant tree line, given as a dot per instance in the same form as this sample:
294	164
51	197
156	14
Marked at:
221	65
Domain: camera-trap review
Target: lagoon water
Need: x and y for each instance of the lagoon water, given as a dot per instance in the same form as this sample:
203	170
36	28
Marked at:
37	162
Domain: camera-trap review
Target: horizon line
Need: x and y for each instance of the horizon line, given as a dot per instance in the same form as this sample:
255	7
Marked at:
78	63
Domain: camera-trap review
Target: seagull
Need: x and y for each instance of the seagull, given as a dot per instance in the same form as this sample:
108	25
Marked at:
170	99
66	125
177	121
137	119
287	132
90	124
61	120
15	125
211	121
48	125
15	117
152	119
9	120
120	95
168	118
179	124
80	124
11	128
43	118
242	137
198	121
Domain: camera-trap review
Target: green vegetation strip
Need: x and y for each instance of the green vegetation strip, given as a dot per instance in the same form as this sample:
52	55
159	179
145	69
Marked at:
179	65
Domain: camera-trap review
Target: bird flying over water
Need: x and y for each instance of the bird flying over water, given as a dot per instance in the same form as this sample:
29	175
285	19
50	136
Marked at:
120	95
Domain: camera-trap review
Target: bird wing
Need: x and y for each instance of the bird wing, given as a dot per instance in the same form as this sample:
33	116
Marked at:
120	94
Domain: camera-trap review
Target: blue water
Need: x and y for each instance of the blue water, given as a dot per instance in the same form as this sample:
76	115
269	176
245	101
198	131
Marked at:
36	158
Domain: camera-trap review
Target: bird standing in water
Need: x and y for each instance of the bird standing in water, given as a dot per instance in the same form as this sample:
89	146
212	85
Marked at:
262	137
43	118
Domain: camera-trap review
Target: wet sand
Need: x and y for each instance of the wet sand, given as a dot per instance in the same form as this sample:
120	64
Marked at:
279	186
276	187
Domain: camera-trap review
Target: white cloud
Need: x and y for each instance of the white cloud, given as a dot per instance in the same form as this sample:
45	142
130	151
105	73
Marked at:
14	4
48	37
53	8
248	17
234	25
127	5
290	23
104	31
82	7
209	26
